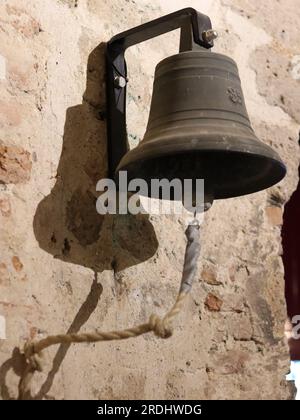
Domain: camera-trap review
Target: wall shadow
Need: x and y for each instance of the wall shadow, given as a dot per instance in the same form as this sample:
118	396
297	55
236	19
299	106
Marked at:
66	223
17	362
85	311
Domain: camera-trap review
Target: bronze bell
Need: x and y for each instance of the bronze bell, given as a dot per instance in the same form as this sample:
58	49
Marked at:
198	126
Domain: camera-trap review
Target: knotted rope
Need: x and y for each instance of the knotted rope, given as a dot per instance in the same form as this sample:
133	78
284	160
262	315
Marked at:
161	327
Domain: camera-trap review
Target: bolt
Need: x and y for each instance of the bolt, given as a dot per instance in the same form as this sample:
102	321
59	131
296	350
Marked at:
209	35
120	82
207	206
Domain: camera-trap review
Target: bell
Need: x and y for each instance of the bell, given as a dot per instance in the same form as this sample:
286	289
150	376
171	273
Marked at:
199	128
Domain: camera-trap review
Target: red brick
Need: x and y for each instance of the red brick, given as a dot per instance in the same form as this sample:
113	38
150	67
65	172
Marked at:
213	303
274	215
15	165
209	276
18	266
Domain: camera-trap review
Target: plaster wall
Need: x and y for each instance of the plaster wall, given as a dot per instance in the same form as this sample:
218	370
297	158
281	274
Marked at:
65	268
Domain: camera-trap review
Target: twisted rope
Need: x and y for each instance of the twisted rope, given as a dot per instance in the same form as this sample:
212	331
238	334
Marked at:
161	327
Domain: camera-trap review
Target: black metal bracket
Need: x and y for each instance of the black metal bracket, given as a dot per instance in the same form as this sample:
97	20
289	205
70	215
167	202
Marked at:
193	25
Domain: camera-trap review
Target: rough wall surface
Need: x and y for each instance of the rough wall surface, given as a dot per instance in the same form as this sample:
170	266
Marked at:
65	268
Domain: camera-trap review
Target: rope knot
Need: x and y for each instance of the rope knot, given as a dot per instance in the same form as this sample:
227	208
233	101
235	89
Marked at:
34	359
160	327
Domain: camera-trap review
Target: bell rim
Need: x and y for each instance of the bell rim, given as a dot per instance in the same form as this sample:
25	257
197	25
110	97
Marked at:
276	172
190	143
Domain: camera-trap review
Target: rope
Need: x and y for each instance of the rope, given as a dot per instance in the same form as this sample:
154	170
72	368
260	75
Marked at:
161	327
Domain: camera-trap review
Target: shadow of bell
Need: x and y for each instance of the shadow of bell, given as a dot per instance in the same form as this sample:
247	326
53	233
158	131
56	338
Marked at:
66	223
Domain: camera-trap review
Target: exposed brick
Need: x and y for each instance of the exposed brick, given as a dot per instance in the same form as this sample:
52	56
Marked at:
209	276
213	303
15	165
274	215
18	266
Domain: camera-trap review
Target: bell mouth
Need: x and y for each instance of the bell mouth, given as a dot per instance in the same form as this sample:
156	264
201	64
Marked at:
226	173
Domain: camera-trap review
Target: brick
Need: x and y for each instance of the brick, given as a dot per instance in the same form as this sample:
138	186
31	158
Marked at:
274	215
18	266
213	302
15	165
209	276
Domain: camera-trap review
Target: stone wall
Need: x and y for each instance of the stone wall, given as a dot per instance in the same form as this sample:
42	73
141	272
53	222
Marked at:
65	268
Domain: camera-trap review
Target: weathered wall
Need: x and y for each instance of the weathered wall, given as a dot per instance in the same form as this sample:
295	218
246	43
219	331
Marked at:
63	267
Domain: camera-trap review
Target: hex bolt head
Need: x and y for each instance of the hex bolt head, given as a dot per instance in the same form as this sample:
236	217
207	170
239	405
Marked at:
120	82
209	35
